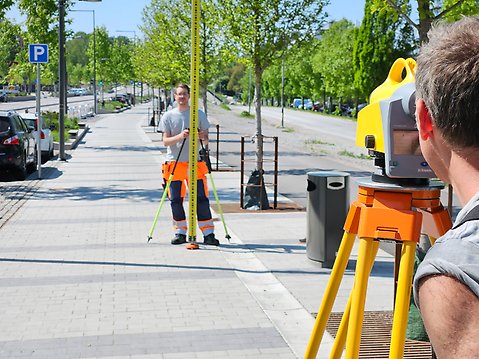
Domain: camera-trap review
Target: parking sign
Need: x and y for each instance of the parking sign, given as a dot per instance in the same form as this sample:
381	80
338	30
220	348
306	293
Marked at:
38	53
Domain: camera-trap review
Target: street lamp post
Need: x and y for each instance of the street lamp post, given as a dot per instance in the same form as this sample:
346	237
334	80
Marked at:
62	74
94	60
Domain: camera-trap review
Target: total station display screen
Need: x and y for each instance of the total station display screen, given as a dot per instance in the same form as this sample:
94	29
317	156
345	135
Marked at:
406	142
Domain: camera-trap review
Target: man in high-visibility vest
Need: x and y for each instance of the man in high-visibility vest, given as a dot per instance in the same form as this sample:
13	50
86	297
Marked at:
175	127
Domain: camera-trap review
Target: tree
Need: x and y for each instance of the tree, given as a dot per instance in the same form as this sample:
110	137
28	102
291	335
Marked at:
380	40
333	59
213	45
262	30
103	55
39	17
167	42
302	79
10	44
428	11
77	59
120	68
168	37
236	73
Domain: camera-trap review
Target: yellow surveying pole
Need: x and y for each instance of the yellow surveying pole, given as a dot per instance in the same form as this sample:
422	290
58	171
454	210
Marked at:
195	73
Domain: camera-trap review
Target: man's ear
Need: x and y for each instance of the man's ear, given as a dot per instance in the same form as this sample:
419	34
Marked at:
423	120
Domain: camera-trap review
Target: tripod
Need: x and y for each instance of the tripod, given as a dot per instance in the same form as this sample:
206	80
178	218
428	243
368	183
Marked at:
382	211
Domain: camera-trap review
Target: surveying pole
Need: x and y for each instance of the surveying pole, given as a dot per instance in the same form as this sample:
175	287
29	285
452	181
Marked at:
193	159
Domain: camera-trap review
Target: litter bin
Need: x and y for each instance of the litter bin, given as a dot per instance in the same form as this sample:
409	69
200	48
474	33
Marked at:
328	202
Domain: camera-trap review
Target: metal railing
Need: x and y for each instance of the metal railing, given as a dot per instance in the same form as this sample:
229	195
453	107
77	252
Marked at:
266	160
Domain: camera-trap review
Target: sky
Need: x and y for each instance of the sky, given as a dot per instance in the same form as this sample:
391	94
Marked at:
123	17
126	15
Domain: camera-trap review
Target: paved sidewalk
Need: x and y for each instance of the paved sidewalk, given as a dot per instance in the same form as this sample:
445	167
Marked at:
79	280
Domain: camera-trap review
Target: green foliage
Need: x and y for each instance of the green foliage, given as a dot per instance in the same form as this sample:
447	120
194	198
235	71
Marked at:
77	59
9	46
333	63
235	73
381	39
428	11
246	114
347	153
317	142
225	107
167	42
103	54
164	58
52	120
263	30
303	79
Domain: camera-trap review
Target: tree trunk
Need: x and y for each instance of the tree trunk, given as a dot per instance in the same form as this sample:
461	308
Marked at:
259	134
424	12
256	194
204	96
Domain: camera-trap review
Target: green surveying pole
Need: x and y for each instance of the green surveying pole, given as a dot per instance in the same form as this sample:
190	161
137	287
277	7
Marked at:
165	192
208	164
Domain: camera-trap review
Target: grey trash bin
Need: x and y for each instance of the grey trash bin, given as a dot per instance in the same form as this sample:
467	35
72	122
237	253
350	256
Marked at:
328	201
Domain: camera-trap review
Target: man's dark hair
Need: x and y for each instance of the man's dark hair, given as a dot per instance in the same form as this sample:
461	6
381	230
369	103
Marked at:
184	87
447	79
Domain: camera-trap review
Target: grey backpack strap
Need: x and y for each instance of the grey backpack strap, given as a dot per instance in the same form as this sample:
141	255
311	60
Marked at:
472	215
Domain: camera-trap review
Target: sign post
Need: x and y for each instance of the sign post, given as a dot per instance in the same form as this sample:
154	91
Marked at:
38	54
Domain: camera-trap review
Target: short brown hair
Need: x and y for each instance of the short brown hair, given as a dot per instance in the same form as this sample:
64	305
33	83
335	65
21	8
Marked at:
447	79
184	87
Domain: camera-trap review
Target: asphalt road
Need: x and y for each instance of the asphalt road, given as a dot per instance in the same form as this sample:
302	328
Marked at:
308	142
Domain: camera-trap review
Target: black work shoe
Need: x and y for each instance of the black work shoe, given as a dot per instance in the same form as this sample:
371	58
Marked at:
211	240
179	239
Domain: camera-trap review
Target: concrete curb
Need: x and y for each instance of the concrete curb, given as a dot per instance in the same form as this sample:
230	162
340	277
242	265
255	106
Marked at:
73	144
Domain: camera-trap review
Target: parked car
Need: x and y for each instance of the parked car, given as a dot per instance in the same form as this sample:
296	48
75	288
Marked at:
46	136
345	109
17	145
77	91
307	104
296	103
122	98
317	107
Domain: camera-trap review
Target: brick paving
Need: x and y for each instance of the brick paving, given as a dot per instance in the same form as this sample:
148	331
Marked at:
79	280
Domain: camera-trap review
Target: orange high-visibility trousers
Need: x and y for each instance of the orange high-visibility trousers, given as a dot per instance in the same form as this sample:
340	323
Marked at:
177	193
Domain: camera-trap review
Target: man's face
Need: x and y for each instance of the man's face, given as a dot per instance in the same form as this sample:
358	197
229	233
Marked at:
182	96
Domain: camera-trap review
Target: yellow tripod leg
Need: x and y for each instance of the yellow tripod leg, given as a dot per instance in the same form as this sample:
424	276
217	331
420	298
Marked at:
330	293
340	340
365	255
403	296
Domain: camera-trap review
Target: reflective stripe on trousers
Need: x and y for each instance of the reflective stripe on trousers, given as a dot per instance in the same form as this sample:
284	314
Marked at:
177	193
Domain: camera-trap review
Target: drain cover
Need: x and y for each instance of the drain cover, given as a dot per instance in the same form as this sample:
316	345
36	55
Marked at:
376	337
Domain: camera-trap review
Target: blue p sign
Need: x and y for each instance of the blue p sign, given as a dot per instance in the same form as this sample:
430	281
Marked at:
38	53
